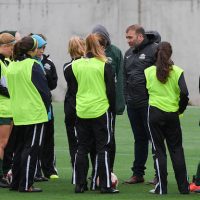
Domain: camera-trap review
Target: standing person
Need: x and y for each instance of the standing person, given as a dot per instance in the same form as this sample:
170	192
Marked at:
95	103
115	58
47	161
137	58
30	103
8	151
6	49
76	49
168	97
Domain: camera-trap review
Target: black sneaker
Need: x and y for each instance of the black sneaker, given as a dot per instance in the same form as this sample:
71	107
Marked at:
3	183
40	179
85	187
32	189
109	191
79	188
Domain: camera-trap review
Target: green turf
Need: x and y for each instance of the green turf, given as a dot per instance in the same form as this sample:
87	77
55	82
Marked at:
62	188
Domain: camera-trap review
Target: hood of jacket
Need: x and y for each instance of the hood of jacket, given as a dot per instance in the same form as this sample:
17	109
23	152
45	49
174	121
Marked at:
102	31
153	36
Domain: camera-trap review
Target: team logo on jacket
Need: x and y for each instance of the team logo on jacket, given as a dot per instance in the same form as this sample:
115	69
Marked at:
142	56
109	60
127	57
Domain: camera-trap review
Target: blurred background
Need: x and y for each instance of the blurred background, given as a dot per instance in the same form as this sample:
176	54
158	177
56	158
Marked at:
176	20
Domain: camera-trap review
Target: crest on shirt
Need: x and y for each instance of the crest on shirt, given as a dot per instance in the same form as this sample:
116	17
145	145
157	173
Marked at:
142	56
47	66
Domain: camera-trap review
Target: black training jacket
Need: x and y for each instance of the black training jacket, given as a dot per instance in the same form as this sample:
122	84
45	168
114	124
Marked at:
135	62
50	71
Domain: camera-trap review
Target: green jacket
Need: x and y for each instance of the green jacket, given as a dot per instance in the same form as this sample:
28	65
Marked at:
116	60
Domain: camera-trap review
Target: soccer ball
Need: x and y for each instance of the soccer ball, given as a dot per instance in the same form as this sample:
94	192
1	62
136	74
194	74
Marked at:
114	181
9	177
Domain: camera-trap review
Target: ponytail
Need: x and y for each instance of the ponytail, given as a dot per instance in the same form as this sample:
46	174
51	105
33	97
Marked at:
23	46
163	61
93	46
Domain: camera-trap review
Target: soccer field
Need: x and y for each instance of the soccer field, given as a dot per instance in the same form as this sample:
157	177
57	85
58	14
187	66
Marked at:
62	188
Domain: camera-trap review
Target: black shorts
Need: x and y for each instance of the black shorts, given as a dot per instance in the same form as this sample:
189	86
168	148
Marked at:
6	120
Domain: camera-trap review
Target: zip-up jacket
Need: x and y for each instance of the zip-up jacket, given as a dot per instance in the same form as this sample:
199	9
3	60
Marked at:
135	62
70	97
50	71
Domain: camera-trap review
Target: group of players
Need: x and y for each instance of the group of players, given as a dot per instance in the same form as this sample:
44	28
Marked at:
100	82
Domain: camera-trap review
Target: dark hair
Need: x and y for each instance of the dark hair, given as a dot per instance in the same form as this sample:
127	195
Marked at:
163	61
137	28
23	46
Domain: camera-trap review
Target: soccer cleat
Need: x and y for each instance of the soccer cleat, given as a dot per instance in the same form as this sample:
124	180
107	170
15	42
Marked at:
40	179
32	189
54	176
194	187
109	191
153	191
79	188
3	183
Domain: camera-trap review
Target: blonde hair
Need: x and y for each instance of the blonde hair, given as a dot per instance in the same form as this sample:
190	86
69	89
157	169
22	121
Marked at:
93	45
76	47
6	39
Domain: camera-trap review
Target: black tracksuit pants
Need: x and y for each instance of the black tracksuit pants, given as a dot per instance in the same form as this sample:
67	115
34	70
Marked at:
70	120
47	158
9	152
112	151
166	126
99	131
138	121
28	144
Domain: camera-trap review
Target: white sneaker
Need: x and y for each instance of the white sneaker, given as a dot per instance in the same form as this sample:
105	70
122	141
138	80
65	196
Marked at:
152	191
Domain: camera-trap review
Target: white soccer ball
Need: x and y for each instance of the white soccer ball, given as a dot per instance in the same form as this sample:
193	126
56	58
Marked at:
114	181
9	176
